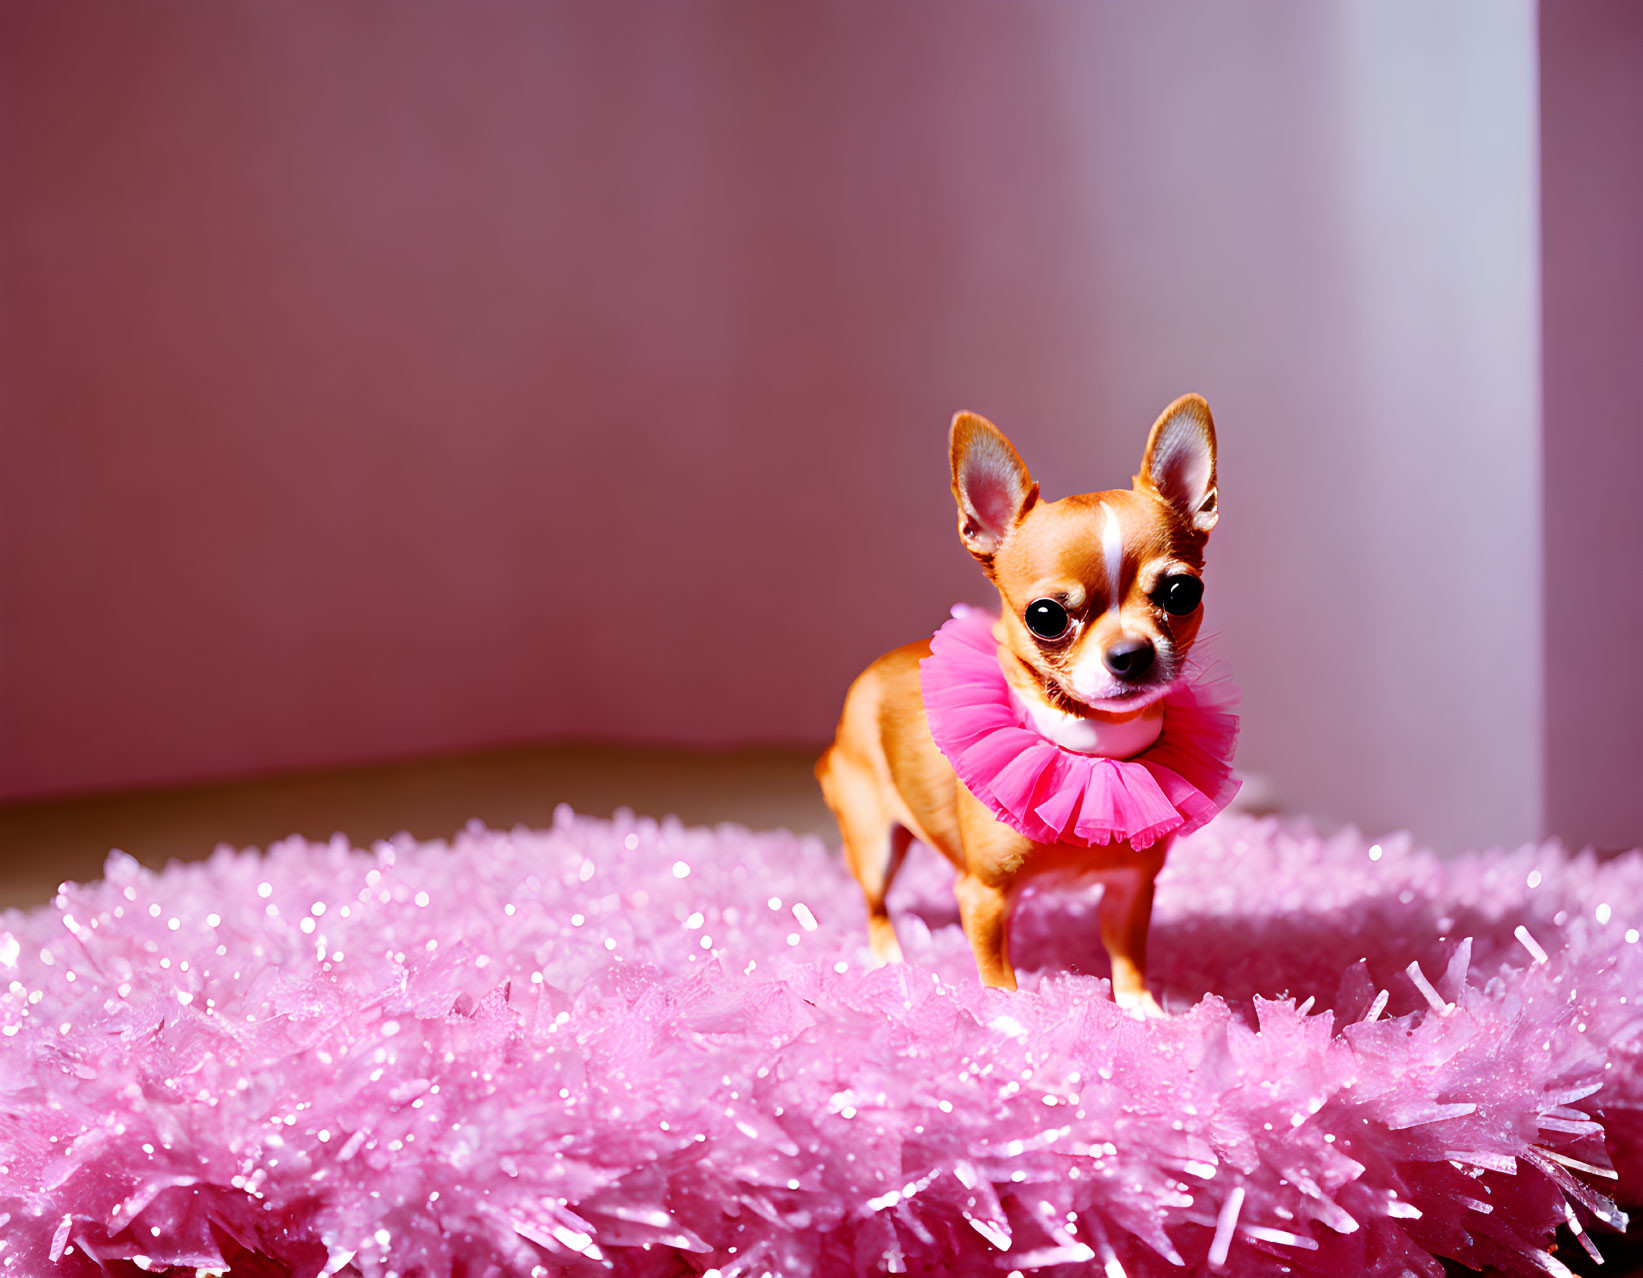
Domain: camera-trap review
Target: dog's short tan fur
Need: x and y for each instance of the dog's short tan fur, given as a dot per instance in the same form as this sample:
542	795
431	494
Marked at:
884	777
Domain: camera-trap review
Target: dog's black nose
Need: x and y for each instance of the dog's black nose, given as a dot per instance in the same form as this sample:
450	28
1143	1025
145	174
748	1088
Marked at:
1128	659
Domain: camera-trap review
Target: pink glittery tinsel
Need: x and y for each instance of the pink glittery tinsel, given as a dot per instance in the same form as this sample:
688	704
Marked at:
637	1047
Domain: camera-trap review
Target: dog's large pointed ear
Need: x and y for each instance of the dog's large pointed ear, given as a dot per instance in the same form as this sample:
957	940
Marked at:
1180	462
990	482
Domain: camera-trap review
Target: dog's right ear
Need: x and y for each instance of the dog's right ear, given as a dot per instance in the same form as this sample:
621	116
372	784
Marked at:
1180	463
991	483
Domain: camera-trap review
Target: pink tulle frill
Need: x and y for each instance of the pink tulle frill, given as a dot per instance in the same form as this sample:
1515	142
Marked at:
1053	794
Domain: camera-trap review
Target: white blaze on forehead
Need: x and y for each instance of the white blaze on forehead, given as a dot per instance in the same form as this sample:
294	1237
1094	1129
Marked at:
1112	546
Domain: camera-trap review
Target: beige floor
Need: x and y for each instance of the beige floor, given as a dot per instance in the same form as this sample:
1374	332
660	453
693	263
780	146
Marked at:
43	844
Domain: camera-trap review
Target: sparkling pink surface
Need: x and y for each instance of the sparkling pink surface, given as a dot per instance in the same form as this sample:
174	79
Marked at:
634	1047
1056	795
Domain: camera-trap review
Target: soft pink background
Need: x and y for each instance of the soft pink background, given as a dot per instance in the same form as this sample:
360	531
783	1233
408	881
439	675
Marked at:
383	380
1592	214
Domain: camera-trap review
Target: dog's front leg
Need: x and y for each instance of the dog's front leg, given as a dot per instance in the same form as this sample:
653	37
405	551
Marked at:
994	857
984	910
1126	914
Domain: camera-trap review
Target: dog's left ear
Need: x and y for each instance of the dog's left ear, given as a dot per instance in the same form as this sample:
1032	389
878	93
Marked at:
1180	462
990	482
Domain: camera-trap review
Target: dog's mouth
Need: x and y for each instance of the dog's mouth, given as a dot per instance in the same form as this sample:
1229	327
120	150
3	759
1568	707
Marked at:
1124	701
1131	699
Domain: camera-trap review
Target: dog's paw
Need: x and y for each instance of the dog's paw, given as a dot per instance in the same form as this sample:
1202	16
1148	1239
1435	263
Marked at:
1139	1004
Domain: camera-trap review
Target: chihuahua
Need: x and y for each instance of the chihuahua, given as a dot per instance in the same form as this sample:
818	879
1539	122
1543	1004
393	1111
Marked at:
1101	604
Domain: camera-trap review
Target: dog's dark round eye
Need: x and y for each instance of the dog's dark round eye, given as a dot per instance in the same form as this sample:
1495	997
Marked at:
1047	619
1181	594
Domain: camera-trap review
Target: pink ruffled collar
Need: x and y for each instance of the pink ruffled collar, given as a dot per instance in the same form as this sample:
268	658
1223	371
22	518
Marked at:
1053	794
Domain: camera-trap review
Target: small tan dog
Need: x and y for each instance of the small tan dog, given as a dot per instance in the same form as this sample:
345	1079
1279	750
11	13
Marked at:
1100	597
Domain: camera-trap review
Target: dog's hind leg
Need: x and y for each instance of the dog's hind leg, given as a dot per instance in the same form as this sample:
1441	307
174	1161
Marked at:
874	842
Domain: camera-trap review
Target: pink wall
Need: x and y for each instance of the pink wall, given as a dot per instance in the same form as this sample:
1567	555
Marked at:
1592	206
383	380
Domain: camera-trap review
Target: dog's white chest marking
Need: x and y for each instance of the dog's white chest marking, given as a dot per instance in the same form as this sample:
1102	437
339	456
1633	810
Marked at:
1121	740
